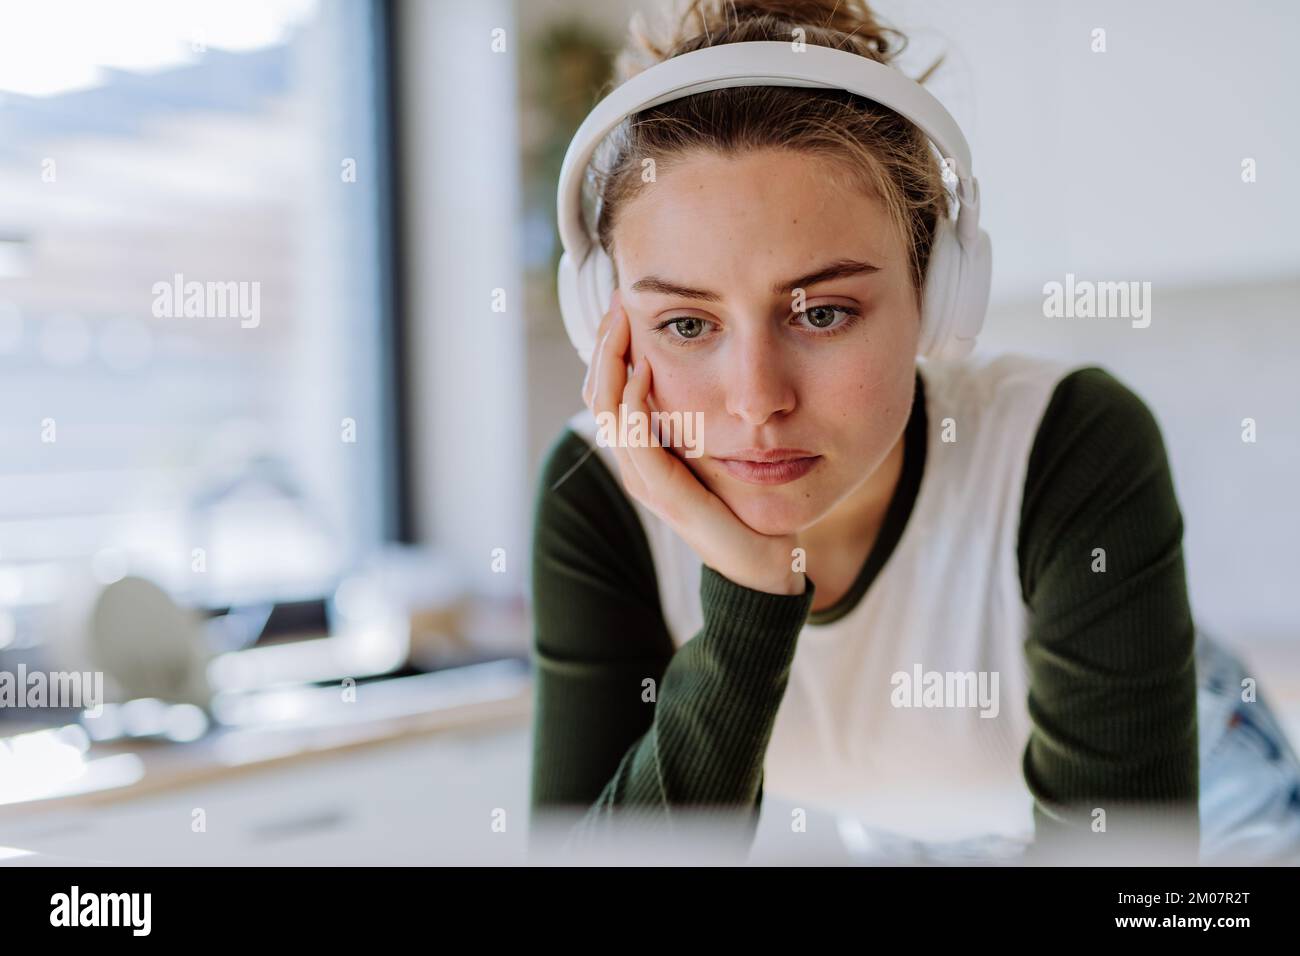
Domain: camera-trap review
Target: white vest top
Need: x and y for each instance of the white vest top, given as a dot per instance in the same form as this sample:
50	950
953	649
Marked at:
947	600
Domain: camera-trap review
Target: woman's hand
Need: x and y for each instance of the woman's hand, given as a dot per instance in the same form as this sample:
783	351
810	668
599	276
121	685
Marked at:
664	484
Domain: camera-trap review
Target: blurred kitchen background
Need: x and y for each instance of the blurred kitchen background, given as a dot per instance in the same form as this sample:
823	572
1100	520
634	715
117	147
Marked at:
298	550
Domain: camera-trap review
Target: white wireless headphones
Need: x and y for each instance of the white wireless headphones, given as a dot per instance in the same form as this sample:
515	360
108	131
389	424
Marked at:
961	262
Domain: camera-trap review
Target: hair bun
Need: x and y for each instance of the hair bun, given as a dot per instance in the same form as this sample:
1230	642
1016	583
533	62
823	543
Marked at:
695	24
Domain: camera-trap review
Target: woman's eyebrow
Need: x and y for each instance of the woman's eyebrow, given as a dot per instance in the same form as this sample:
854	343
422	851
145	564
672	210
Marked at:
839	269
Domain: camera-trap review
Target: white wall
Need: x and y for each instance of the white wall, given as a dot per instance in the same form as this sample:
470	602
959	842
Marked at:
1124	164
1210	357
461	200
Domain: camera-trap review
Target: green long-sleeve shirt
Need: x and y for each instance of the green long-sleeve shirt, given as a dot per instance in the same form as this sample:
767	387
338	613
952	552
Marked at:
1112	682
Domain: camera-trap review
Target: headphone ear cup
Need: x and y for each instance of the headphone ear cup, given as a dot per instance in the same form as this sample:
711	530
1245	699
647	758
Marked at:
568	287
595	286
603	271
956	293
973	303
584	292
942	278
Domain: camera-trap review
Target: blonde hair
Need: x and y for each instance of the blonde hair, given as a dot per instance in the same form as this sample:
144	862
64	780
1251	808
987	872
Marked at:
880	152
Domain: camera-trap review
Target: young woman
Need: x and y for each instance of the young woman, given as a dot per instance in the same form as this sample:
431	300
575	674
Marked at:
936	597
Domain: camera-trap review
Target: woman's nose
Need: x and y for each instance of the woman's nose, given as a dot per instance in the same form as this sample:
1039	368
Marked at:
757	382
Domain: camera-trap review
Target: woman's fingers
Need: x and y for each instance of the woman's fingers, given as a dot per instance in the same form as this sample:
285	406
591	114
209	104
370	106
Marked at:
651	473
646	459
666	479
598	363
593	367
608	378
612	374
629	401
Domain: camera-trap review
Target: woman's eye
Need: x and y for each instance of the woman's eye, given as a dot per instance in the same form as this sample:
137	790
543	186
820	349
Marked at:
823	316
684	327
823	319
689	327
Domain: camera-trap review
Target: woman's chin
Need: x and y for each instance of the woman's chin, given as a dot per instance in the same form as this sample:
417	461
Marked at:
772	510
770	513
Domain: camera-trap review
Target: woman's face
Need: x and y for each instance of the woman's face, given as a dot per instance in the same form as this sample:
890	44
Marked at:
711	259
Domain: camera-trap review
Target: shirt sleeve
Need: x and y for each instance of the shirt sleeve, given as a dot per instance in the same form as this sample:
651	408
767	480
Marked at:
626	726
1112	757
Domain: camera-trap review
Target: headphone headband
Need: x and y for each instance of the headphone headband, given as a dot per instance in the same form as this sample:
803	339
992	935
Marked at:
759	63
955	297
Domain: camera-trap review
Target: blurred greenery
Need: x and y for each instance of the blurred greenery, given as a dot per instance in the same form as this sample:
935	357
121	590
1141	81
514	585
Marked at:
566	72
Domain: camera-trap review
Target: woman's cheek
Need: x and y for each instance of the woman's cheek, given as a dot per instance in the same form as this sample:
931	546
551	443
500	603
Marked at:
673	391
667	386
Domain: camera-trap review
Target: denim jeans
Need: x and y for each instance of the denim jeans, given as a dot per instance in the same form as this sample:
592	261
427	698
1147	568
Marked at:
1250	777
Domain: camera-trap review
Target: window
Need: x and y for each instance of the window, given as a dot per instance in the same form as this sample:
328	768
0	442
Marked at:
196	369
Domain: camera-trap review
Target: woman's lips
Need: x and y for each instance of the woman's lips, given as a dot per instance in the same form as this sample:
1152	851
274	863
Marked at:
769	472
